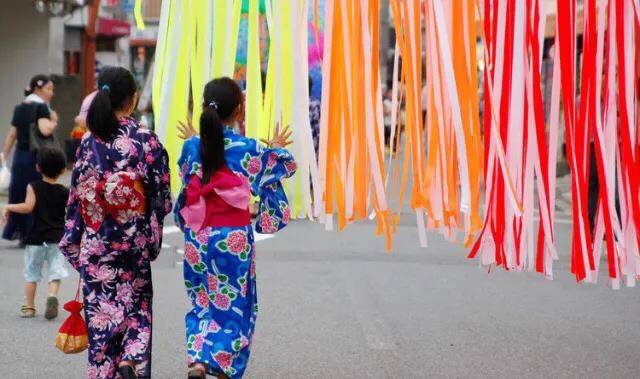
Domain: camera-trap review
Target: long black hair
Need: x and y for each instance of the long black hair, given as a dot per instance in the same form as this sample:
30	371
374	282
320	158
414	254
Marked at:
38	81
116	87
222	96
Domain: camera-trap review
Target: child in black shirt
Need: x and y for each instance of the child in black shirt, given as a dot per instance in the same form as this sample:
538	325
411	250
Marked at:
46	201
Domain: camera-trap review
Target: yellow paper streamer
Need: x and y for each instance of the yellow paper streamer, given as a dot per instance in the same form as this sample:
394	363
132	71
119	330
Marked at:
171	83
253	116
137	12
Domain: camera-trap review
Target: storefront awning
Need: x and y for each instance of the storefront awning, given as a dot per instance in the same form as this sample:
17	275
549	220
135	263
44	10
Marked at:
108	27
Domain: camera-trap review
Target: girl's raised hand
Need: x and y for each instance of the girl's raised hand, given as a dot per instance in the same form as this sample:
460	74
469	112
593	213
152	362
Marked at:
186	130
280	138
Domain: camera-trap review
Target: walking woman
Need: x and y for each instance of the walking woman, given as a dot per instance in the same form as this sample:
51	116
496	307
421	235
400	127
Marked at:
34	109
119	197
220	170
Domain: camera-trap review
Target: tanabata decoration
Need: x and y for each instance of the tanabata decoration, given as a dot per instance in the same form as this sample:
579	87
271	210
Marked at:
472	143
198	41
351	157
520	159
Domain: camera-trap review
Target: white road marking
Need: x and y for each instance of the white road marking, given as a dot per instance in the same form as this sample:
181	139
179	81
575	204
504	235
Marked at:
261	237
172	229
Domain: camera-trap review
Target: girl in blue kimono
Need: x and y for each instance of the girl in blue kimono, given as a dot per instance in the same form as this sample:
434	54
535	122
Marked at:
220	171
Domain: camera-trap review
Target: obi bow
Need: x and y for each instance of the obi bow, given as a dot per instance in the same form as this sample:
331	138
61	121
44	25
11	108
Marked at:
225	190
120	196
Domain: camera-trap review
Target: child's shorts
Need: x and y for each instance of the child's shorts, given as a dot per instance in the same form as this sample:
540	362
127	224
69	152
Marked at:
34	258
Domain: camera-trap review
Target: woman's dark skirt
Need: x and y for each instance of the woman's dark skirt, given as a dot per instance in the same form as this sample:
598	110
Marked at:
23	172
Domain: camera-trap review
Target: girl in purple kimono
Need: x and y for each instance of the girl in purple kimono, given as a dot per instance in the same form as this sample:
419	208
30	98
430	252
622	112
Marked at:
118	200
220	170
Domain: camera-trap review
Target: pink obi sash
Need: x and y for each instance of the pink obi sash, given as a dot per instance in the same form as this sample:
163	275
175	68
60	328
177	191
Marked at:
120	195
222	202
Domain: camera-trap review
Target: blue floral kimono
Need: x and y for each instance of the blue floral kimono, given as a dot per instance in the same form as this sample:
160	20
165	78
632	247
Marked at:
219	268
118	199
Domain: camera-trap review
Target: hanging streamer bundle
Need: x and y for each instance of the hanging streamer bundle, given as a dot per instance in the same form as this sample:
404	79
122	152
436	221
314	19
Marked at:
452	125
513	34
286	96
517	148
351	167
609	36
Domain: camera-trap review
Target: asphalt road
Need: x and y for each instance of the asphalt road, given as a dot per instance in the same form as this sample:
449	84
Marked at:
336	305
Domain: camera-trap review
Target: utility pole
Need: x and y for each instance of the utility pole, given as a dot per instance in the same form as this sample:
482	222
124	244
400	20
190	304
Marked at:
89	50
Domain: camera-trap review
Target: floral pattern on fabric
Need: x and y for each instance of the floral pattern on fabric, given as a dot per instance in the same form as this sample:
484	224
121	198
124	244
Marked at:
114	259
221	287
120	196
219	267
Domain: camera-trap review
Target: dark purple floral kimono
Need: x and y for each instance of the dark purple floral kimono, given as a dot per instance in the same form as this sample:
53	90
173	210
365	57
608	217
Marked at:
112	248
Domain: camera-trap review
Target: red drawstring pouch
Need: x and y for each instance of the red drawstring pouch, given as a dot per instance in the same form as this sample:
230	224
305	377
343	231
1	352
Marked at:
72	336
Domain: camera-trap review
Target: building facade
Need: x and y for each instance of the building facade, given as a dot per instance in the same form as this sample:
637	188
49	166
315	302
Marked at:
35	42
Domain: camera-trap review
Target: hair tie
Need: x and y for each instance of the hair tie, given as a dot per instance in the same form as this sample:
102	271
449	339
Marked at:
105	87
39	84
213	104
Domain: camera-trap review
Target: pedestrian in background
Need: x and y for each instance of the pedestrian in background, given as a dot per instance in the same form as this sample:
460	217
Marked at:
80	127
118	200
46	201
34	110
315	110
387	109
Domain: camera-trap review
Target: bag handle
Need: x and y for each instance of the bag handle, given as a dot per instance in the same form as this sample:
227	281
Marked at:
77	298
34	117
34	113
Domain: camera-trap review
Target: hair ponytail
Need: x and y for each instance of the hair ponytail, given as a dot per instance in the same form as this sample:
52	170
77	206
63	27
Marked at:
222	96
116	88
211	142
101	119
37	81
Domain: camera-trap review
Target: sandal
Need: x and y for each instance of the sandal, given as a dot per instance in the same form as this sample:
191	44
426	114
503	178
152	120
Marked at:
27	311
196	374
51	311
